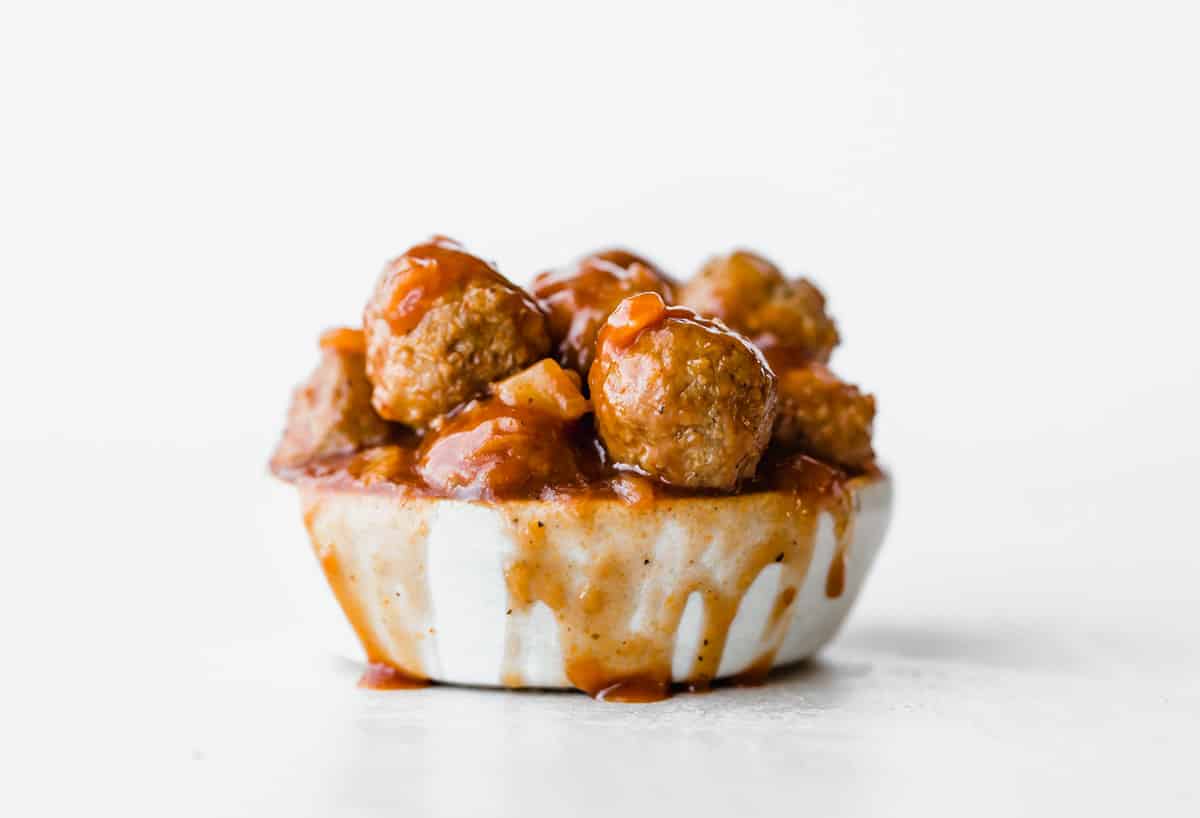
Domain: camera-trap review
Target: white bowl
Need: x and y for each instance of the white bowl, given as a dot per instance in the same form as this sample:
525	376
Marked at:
596	593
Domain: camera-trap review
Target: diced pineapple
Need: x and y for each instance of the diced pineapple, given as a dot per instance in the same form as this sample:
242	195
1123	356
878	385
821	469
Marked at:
544	387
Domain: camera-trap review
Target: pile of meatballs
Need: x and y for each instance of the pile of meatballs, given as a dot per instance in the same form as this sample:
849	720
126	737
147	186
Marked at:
465	382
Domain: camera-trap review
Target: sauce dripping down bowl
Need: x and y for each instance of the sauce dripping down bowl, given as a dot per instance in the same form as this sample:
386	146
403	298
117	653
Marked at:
623	600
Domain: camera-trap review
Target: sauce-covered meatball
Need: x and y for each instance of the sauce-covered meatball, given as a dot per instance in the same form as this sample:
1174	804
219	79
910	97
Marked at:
512	444
331	412
441	325
752	296
824	416
680	397
579	298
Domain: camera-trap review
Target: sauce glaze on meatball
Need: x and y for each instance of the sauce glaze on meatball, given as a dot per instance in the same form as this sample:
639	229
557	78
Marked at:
752	296
514	443
441	325
578	299
489	450
680	397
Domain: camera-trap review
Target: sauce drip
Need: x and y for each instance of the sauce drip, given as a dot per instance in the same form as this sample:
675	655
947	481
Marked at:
343	583
379	676
835	583
631	317
644	311
386	599
618	609
804	474
344	339
635	691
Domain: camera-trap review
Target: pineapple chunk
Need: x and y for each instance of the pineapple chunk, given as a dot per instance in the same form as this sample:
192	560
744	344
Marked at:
547	388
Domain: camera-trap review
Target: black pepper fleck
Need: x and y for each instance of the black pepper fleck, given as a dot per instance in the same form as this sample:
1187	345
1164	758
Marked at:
779	558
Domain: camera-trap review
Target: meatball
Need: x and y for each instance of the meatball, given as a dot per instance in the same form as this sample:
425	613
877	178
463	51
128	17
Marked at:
752	296
627	258
578	299
441	325
680	397
489	450
825	417
331	412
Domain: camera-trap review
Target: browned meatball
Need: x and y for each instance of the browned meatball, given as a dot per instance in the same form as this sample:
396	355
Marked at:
680	397
441	325
490	450
824	416
577	299
331	412
627	258
752	296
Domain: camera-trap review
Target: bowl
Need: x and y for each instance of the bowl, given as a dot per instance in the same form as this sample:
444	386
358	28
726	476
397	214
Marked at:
622	598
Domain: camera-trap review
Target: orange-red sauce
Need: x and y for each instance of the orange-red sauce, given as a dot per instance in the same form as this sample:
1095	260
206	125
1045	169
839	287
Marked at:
379	676
415	280
641	312
578	299
344	339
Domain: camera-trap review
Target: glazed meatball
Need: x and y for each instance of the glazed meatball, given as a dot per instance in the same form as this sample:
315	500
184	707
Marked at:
627	258
825	417
441	325
680	397
752	296
512	444
577	299
331	412
489	450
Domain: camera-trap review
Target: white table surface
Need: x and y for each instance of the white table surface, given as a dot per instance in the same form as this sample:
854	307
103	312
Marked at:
1016	650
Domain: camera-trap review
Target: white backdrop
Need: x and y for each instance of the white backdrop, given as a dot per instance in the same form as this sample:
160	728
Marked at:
1001	201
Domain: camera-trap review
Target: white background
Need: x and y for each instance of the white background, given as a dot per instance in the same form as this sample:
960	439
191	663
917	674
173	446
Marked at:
1001	201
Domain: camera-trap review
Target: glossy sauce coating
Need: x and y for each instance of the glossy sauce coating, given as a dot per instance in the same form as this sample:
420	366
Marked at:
680	397
578	299
441	326
631	318
495	451
415	280
344	339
